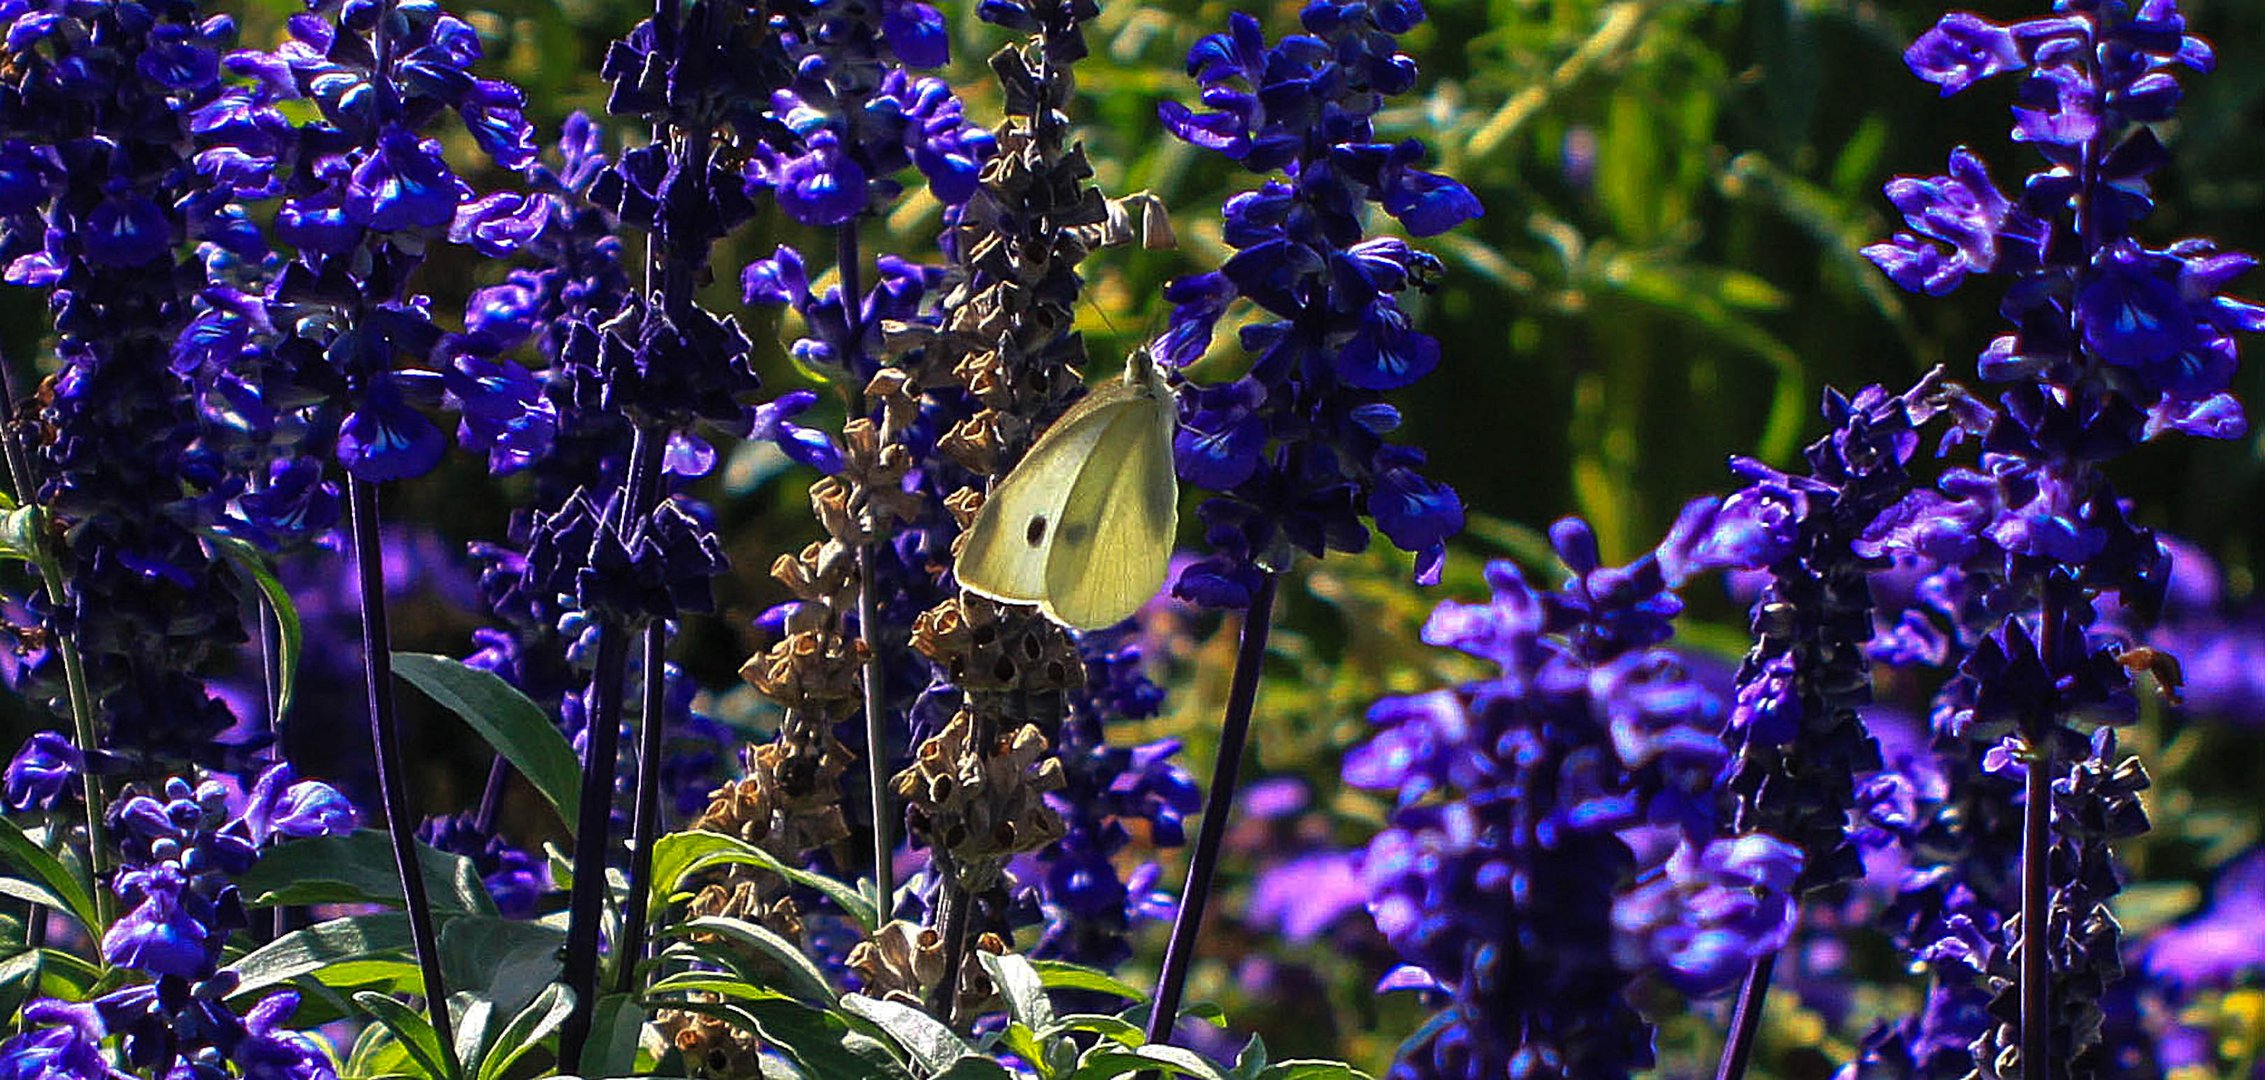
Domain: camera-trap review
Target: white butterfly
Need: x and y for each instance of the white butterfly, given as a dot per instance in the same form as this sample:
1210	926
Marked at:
1083	526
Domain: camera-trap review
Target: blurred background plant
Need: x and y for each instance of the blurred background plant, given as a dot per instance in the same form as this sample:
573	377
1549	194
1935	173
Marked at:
1667	274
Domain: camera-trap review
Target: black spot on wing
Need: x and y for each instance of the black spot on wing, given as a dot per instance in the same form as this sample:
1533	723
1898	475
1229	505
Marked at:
1035	535
1075	534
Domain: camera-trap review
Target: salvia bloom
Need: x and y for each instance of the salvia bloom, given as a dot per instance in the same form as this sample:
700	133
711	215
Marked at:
1508	879
180	849
515	877
1796	728
63	1041
364	193
1296	447
97	203
2112	343
860	117
180	852
42	772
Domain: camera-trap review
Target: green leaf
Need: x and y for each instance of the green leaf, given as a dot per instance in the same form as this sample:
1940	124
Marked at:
19	534
614	1033
415	1032
1024	1044
254	564
933	1046
474	1016
358	869
1252	1060
1021	986
31	892
803	977
821	1044
45	973
1311	1070
678	855
975	1068
1108	1062
527	1030
1062	975
1207	1011
1114	1028
377	1053
309	950
54	883
508	961
710	982
513	724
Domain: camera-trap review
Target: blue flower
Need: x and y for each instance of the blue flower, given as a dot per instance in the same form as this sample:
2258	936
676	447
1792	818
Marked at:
773	422
1506	855
1701	923
126	230
1295	447
160	934
518	879
823	186
71	1049
2111	343
280	805
1962	49
915	32
97	190
386	439
269	1051
42	771
179	853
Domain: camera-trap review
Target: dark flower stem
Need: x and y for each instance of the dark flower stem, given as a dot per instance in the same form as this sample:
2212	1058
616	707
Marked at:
2036	967
1738	1046
491	796
876	717
594	814
1234	735
271	681
943	1001
645	827
385	731
876	741
2036	868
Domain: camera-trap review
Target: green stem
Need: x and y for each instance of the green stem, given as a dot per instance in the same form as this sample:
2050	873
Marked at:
74	673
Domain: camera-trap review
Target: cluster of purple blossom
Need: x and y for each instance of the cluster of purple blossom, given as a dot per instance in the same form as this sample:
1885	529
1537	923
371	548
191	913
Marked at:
202	399
1589	817
181	854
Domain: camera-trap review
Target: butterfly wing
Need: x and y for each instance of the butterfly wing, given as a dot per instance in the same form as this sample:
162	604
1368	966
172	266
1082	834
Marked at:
1116	527
1004	555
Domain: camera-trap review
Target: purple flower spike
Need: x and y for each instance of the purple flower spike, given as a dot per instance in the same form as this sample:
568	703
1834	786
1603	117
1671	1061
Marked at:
1508	859
2111	343
1296	447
